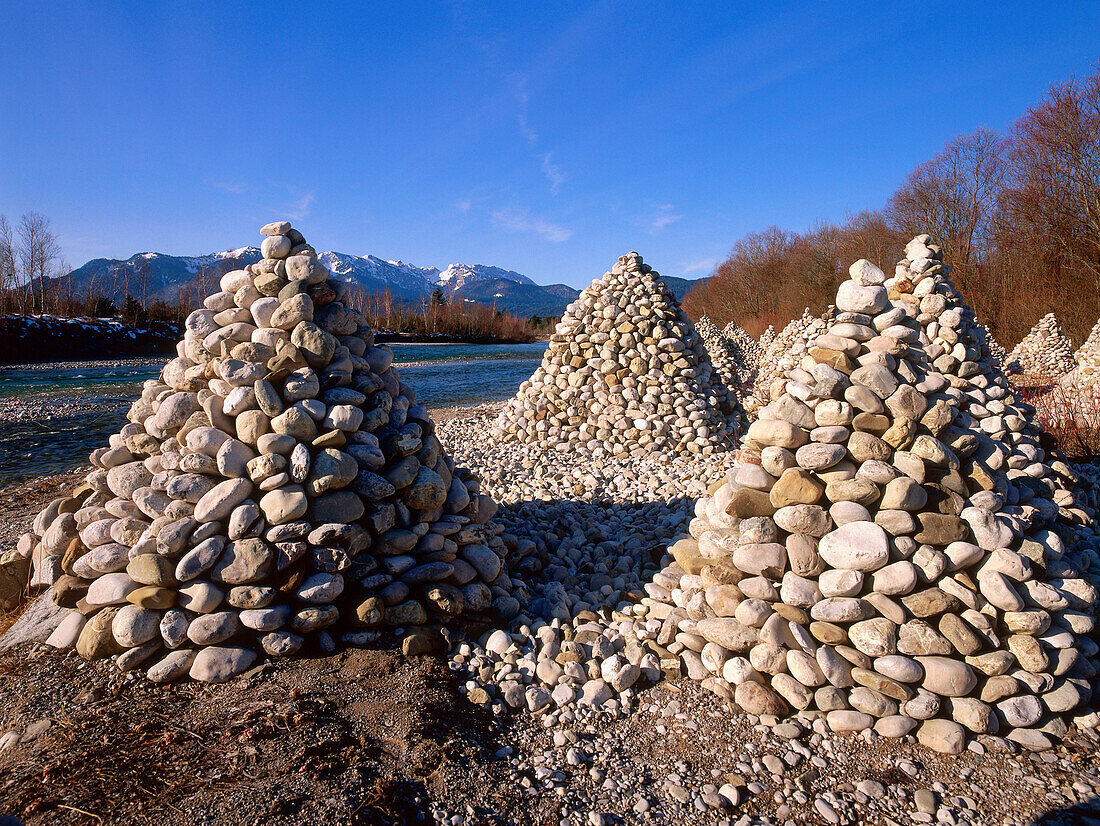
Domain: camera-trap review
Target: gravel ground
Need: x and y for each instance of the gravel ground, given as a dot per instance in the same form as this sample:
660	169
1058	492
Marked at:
370	737
20	503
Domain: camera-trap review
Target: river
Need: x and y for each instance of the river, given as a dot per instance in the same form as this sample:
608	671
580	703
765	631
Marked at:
53	415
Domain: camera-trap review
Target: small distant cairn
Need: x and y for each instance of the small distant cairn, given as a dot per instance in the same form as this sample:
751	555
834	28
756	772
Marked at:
769	359
998	353
747	348
626	374
1088	358
894	549
726	357
989	346
790	345
276	489
1045	352
766	339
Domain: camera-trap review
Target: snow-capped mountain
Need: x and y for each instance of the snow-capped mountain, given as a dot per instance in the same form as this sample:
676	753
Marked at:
457	276
374	274
151	275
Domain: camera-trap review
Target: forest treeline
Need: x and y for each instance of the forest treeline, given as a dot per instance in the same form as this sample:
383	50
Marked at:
438	316
36	280
1017	215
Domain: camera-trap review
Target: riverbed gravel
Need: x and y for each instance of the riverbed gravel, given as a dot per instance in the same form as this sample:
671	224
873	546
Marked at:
378	738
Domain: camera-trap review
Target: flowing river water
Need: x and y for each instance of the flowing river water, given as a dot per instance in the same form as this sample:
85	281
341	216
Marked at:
53	415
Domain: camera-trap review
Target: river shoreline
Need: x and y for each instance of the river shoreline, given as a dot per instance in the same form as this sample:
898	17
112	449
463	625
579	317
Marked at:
31	340
26	339
53	414
443	338
367	735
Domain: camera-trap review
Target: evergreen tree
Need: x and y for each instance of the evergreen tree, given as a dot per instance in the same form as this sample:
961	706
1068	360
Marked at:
131	311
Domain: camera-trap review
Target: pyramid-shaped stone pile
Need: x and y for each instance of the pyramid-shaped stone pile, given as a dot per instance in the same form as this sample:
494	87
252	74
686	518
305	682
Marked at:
789	346
895	549
1043	352
725	356
626	374
1088	358
770	356
998	353
766	339
746	345
277	487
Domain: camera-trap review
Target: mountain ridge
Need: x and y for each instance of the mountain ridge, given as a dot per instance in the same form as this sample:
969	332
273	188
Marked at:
149	276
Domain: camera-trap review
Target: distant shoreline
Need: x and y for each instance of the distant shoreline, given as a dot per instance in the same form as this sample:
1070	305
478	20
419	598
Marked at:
50	339
26	339
443	338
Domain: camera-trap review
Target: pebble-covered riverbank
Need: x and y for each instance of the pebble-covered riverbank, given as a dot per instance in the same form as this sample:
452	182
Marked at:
648	753
873	604
680	757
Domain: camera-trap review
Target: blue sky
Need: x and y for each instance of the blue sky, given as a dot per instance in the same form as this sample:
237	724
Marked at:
546	138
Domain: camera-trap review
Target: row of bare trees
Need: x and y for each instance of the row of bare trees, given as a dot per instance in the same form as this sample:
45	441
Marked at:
36	279
30	256
1018	217
438	316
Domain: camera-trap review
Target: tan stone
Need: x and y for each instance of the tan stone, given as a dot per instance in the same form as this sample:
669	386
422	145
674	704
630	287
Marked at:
796	487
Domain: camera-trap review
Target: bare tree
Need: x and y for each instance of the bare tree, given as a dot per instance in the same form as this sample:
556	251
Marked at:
141	271
1051	207
203	277
868	234
38	250
120	281
953	196
90	288
63	276
9	271
1018	219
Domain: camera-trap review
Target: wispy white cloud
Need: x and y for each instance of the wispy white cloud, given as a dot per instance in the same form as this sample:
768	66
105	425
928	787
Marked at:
553	172
300	208
664	217
519	220
518	83
703	264
232	187
464	206
530	134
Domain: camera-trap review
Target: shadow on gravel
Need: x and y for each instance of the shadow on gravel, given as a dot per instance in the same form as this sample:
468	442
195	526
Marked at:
1086	813
596	552
359	737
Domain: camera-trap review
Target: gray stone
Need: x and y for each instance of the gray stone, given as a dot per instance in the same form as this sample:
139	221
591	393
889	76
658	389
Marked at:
218	664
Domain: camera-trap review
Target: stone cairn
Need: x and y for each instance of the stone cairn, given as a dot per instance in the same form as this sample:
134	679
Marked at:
780	345
278	487
725	356
894	549
766	339
998	353
1043	352
747	350
789	346
1088	358
626	374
